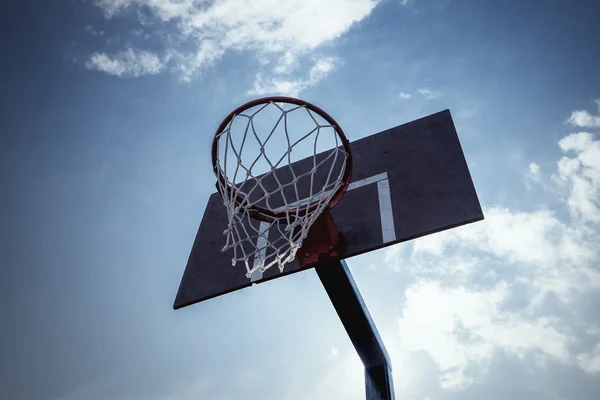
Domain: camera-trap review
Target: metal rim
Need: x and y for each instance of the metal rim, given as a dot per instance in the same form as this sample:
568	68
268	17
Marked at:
262	213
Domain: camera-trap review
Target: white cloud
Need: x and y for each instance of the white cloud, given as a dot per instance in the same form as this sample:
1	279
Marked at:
127	63
321	68
462	328
576	142
430	94
584	119
579	175
112	7
534	172
93	32
290	85
554	259
269	28
590	362
404	95
275	86
206	54
286	64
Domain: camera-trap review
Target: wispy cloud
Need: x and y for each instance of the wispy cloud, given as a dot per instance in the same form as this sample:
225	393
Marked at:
430	94
283	31
93	32
290	85
187	64
404	95
286	64
534	172
130	62
579	175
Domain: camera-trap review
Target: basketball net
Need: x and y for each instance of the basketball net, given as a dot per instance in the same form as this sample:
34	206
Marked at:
260	233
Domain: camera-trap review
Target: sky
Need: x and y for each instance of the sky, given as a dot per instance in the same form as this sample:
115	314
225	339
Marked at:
107	113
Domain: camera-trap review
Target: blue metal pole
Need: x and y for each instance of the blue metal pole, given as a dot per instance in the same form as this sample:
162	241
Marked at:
350	307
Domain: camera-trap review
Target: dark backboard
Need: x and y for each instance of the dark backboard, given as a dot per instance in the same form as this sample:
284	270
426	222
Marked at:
407	182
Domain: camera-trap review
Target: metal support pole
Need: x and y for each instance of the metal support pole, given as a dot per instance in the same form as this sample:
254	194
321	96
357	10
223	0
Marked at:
378	382
350	307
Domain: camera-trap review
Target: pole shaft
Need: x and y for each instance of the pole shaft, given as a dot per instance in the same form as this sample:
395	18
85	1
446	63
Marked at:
350	307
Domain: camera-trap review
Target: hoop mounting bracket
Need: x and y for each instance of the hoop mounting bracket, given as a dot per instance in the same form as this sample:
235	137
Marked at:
322	241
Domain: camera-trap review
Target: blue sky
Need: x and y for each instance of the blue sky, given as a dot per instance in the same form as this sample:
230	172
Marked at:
107	114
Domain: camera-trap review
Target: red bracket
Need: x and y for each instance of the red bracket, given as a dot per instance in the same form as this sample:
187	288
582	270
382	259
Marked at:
321	243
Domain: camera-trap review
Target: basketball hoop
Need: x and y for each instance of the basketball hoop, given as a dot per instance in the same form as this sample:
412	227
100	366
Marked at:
270	204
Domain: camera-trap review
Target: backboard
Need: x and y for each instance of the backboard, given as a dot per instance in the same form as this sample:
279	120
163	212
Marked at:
408	181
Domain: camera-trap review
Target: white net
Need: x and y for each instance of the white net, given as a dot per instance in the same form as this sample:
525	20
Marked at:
256	150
